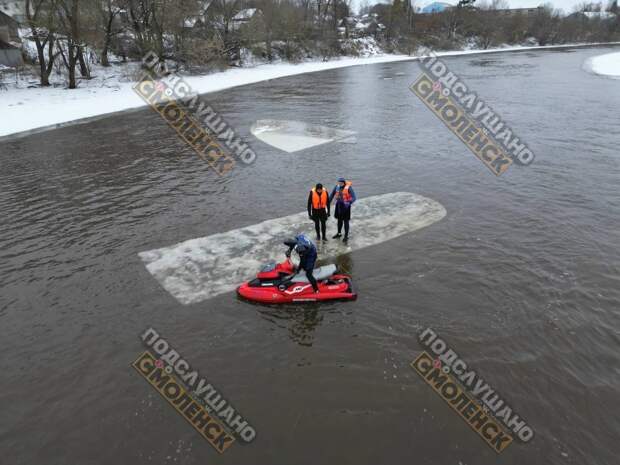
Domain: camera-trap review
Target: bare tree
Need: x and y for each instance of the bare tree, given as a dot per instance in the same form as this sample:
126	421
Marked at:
68	15
108	12
545	24
40	21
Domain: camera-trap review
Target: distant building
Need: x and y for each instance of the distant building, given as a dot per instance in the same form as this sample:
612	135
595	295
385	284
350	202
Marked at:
518	11
8	29
10	55
598	14
15	9
436	7
243	17
361	26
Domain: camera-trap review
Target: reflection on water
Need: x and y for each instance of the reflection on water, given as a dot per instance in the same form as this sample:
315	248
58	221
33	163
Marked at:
482	62
302	329
345	264
293	136
302	320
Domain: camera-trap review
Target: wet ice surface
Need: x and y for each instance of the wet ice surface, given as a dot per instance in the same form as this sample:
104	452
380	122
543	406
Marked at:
202	268
293	136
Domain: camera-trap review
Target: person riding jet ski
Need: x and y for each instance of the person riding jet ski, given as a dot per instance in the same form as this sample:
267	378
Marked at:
307	256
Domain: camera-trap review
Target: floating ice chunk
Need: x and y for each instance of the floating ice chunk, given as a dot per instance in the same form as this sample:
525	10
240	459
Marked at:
604	65
201	268
293	136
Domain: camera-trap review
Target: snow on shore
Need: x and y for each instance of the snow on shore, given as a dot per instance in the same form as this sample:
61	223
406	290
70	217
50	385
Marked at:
605	65
35	109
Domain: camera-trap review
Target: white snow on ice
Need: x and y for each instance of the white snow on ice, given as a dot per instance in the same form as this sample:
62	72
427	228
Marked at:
605	65
201	268
293	136
38	108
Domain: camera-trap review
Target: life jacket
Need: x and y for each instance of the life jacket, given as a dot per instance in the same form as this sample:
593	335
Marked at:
319	201
346	196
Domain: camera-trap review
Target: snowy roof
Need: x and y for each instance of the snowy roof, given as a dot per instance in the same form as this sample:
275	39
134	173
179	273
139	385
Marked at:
7	45
599	14
246	14
190	22
432	2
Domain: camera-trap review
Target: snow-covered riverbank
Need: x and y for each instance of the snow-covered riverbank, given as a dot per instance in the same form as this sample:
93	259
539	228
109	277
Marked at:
24	111
605	65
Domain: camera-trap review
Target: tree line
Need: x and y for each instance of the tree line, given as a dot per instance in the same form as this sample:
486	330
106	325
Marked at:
487	23
198	35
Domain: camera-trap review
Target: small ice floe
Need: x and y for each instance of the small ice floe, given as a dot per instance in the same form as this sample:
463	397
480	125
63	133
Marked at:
294	136
604	65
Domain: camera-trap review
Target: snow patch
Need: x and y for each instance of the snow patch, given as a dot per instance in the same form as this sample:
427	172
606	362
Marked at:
26	110
604	65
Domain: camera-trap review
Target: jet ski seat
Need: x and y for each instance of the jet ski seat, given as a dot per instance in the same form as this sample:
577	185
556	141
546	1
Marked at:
322	272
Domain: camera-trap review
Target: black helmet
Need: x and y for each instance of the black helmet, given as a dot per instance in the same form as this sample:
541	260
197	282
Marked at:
290	242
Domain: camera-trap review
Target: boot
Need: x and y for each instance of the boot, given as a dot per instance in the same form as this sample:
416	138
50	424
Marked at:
336	236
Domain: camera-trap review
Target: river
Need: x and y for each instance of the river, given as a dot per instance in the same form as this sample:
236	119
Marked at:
521	278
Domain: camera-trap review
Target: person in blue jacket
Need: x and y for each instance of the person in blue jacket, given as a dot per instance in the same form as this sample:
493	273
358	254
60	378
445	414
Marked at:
345	196
307	256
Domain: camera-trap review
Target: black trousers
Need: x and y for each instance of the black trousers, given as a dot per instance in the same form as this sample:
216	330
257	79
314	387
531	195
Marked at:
308	266
320	222
346	227
312	280
320	226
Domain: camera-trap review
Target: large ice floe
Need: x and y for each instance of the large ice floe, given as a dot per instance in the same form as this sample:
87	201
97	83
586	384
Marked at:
198	269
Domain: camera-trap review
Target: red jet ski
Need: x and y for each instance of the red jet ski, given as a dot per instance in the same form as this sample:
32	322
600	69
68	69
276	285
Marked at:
274	284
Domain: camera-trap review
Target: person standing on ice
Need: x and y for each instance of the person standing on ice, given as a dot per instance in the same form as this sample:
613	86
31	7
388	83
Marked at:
345	196
307	256
318	210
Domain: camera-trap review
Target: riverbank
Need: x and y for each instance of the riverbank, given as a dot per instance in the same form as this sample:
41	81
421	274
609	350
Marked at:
36	109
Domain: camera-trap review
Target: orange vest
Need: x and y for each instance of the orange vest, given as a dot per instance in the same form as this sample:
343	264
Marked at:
319	201
346	197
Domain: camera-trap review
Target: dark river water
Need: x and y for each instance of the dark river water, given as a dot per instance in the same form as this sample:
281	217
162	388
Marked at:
521	278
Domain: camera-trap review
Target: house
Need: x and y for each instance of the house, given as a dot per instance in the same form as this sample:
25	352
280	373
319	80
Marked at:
436	7
517	11
598	14
365	25
243	17
8	28
10	55
15	9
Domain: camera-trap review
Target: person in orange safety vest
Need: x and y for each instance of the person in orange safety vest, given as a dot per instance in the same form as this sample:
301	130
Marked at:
345	196
318	210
